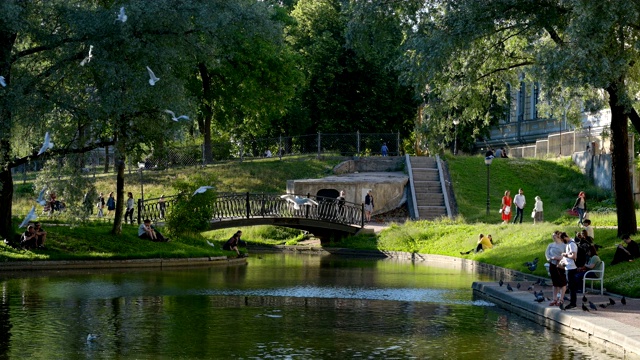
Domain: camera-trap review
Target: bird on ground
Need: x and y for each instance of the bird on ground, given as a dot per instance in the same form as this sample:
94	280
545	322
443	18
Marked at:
210	244
604	306
532	267
562	307
543	283
530	288
174	118
500	282
623	300
539	297
298	201
537	282
3	82
509	288
529	263
611	301
40	200
593	306
585	308
202	189
87	59
518	286
121	16
30	216
47	143
584	298
153	79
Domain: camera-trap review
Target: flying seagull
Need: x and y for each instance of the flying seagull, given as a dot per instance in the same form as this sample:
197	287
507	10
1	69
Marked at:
2	81
202	190
153	79
121	16
173	116
298	201
47	143
30	216
41	199
88	58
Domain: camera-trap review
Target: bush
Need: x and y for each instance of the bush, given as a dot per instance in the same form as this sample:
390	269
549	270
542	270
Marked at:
191	213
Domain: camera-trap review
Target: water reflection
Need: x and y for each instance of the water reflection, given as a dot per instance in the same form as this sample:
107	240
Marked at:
277	306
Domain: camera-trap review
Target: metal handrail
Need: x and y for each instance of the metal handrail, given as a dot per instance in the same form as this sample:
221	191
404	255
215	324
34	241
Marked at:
412	187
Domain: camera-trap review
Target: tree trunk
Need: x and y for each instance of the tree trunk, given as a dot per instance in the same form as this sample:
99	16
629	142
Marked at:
626	213
207	111
6	198
119	158
106	159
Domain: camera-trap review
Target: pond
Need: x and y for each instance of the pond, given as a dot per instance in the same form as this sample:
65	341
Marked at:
278	306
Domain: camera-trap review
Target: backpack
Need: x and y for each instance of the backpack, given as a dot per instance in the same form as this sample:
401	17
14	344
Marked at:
581	259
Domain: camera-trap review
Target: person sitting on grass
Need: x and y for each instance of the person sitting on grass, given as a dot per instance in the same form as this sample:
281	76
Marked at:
233	243
41	235
28	240
626	254
148	232
484	242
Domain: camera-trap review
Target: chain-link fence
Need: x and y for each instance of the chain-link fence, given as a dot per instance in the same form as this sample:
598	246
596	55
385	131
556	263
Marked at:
318	145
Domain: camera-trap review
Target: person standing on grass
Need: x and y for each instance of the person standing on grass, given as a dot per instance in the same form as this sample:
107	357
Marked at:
581	206
384	149
368	206
162	206
506	207
569	257
520	202
538	216
558	277
130	206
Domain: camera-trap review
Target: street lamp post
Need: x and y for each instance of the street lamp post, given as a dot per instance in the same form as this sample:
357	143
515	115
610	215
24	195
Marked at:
455	137
141	167
487	161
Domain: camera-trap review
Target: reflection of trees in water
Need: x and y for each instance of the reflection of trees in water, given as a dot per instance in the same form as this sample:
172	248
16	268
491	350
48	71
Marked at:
5	323
235	274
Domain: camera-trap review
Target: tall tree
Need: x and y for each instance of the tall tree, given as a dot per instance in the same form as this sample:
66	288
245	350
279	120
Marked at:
347	89
455	47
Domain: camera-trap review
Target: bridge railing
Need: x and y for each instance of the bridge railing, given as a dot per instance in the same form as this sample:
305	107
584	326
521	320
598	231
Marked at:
229	206
248	205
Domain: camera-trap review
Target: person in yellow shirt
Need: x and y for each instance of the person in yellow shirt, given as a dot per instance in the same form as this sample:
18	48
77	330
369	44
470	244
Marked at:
484	242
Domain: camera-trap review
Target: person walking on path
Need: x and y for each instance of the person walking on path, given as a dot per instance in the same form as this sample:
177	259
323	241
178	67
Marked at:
368	206
581	206
130	206
100	205
538	215
111	203
558	277
520	202
569	257
506	207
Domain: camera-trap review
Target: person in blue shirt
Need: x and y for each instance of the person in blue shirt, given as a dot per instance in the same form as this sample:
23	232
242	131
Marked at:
384	150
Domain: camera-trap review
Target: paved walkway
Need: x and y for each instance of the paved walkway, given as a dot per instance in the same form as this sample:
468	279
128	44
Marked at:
615	327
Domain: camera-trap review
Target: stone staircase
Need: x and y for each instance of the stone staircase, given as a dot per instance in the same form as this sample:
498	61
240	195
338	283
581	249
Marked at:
428	190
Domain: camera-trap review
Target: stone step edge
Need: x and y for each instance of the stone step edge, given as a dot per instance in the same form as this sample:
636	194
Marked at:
108	264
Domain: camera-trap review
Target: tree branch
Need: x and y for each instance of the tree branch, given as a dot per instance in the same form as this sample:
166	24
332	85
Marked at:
60	151
525	63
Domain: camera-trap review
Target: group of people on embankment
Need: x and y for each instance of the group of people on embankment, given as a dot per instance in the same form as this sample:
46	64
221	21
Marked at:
519	202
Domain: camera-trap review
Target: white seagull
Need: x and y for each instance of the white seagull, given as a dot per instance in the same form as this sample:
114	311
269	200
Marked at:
2	81
30	216
298	201
121	16
47	143
153	79
210	244
173	116
202	189
88	58
41	199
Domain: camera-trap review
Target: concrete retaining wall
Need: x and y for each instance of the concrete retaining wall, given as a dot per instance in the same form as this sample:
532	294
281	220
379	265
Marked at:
116	264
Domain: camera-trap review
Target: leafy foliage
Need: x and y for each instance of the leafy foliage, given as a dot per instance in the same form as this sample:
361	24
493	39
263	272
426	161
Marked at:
191	212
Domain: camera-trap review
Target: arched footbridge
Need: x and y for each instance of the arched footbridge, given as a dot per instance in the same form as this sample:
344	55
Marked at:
325	217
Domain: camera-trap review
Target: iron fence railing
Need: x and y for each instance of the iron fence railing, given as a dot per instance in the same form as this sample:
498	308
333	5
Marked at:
319	145
230	206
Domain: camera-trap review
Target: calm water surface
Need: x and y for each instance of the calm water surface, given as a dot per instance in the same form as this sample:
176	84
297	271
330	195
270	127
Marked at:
279	306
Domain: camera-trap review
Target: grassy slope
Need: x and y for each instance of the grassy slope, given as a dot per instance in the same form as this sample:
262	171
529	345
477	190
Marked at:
557	183
93	240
